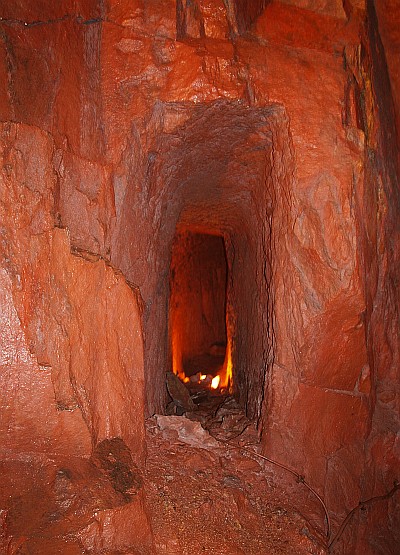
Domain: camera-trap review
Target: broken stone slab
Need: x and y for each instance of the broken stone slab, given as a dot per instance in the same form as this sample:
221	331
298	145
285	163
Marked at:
188	431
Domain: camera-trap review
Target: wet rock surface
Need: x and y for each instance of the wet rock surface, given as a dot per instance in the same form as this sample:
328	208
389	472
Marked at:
272	124
66	505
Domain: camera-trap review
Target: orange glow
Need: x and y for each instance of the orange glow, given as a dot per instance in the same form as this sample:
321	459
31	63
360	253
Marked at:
222	381
177	359
226	373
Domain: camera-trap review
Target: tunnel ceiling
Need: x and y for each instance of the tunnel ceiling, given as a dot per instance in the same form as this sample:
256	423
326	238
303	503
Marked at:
214	162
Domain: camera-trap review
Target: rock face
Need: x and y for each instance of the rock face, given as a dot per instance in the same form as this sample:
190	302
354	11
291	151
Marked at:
71	342
78	320
269	125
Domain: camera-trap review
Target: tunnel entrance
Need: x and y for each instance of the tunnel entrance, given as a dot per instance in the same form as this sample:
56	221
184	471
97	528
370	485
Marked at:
216	174
199	341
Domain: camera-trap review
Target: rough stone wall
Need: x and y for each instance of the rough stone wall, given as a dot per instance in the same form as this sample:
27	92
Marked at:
316	299
380	247
76	319
386	24
54	180
162	114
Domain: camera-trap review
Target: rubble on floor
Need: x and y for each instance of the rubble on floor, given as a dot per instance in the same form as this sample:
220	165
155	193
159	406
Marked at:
200	493
211	494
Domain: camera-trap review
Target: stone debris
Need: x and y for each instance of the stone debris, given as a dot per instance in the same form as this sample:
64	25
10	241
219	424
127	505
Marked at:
203	500
188	431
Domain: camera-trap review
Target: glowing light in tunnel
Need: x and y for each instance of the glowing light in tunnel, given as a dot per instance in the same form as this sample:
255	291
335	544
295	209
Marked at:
226	380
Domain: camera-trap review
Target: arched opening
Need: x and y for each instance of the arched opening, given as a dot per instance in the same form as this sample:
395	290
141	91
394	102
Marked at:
199	341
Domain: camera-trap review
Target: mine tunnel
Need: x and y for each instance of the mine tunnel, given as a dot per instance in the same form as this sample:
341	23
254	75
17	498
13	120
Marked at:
199	194
209	303
197	310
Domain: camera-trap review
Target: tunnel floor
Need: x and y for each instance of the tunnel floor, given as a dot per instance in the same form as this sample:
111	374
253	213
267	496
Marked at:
209	496
204	490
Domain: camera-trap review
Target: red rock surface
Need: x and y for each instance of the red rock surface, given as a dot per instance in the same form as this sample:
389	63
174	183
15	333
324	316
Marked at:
272	125
71	361
212	498
387	13
78	317
68	505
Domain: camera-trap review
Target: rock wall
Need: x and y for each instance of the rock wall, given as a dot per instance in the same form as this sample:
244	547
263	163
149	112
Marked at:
266	123
380	240
85	379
